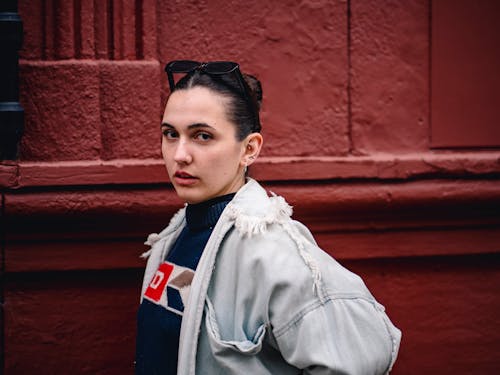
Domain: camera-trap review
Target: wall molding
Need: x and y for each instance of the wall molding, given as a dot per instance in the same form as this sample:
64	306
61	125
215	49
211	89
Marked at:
95	226
152	171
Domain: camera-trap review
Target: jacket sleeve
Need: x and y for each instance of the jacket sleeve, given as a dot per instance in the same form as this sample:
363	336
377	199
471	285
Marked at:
338	329
345	335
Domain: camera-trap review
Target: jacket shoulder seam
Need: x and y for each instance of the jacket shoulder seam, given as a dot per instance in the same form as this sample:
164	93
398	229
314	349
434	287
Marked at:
280	331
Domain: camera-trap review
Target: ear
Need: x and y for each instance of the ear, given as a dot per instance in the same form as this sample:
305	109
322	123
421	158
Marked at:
252	144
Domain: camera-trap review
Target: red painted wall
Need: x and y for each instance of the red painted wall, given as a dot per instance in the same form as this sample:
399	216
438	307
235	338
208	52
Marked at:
347	140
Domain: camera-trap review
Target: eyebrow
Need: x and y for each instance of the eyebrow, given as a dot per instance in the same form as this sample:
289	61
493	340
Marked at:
192	126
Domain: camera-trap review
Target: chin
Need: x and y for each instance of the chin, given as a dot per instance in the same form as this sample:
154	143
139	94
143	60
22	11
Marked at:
189	195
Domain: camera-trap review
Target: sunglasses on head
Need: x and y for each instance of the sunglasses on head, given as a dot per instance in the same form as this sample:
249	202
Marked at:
214	68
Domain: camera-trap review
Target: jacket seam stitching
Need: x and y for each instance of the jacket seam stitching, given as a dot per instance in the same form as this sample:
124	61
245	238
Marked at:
393	344
313	306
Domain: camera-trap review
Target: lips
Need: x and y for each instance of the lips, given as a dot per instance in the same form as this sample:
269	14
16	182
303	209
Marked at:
181	174
184	178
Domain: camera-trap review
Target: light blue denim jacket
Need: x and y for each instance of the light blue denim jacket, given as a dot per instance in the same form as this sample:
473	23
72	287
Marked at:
266	299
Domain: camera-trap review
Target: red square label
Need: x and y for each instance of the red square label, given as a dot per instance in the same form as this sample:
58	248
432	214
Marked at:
159	281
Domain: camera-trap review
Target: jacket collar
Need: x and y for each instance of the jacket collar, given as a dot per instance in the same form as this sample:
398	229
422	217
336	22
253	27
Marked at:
253	210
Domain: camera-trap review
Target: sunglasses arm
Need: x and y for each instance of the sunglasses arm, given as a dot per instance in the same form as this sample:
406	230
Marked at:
171	80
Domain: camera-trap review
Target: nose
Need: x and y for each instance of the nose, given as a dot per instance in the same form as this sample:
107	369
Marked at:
182	154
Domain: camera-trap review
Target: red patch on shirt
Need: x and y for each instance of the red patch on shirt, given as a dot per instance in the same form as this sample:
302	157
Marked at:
157	285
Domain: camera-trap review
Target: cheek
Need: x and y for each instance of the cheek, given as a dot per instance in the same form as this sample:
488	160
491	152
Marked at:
164	150
167	157
228	161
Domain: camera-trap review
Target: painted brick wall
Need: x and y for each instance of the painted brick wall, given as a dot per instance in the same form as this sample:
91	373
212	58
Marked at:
346	126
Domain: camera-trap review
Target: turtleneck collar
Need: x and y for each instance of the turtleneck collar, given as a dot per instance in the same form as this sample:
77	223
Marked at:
206	214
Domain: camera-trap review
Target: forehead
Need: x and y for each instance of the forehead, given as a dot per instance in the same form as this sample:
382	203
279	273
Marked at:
195	105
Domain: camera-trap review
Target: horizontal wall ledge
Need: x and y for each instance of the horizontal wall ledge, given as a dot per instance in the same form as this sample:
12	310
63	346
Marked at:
151	171
327	198
103	228
9	174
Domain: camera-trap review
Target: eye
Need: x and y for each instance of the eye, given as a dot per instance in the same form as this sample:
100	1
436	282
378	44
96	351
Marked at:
169	133
203	136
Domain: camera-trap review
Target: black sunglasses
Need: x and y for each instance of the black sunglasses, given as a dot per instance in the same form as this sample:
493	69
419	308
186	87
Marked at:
213	68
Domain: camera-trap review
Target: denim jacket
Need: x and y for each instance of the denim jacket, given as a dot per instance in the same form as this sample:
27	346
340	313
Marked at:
265	299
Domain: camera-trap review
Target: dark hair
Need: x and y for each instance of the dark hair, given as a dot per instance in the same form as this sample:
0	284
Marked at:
239	109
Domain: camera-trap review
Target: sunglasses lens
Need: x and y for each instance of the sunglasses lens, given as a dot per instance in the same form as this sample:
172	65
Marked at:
220	67
182	66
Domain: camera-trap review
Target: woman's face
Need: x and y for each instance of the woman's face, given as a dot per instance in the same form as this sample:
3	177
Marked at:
204	159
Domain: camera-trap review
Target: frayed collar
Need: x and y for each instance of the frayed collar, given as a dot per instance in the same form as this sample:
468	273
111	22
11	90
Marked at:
249	224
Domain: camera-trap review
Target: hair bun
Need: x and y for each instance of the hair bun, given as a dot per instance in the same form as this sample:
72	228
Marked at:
255	87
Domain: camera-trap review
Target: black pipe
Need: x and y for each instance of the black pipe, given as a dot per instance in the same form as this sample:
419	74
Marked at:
11	112
2	283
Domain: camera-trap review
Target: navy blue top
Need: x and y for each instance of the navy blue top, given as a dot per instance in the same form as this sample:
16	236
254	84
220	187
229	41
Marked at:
160	313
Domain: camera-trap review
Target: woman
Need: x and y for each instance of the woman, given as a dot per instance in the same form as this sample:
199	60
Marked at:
233	285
